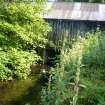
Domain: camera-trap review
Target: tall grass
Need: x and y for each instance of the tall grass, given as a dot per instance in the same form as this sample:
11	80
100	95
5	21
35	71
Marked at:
79	73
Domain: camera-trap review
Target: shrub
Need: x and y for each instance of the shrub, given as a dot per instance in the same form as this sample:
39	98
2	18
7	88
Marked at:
22	30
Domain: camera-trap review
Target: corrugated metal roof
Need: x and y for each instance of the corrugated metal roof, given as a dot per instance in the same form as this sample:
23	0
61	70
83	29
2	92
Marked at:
75	11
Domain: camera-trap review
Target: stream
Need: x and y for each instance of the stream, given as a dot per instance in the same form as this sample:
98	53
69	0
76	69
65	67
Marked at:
25	92
21	92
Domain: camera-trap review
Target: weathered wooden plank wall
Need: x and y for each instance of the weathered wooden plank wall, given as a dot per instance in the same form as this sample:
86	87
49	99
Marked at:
62	27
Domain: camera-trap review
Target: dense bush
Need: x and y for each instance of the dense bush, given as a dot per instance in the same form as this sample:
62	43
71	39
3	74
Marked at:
21	31
15	64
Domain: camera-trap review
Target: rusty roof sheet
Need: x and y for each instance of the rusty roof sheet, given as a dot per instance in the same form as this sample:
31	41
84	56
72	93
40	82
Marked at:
75	11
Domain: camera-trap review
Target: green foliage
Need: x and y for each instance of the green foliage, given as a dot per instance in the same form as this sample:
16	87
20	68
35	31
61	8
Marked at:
94	51
22	30
15	64
79	77
21	22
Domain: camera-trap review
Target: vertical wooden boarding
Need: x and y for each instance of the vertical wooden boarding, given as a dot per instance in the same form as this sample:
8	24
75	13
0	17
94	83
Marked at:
71	28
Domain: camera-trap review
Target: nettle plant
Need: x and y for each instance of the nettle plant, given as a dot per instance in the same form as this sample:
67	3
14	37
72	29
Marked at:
22	30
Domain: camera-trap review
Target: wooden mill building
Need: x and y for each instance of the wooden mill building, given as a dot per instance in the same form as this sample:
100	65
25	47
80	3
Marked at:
70	18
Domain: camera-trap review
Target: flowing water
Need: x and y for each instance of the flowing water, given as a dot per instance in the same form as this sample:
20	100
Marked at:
21	92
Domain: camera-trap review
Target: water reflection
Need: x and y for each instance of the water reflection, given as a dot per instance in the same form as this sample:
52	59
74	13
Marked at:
24	92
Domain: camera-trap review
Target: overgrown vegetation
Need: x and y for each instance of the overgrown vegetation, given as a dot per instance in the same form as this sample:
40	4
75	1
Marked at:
22	30
79	77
